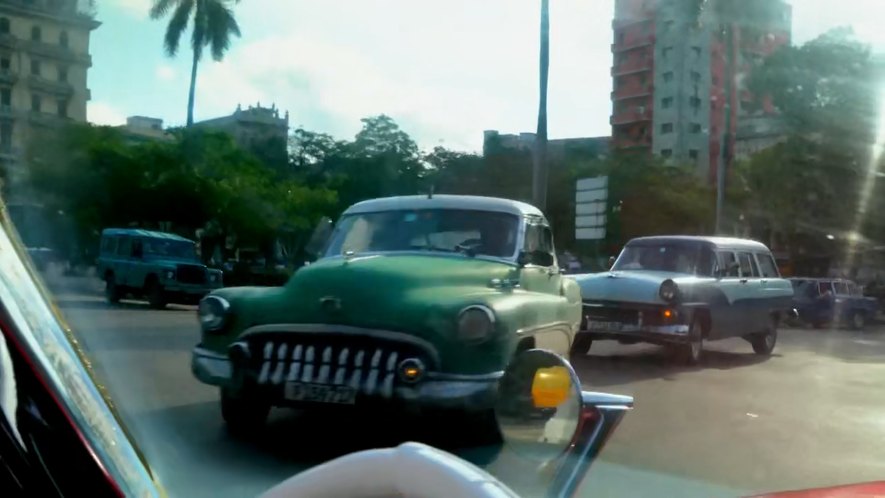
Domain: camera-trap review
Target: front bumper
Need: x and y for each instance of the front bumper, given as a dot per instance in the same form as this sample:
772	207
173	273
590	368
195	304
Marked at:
436	391
666	334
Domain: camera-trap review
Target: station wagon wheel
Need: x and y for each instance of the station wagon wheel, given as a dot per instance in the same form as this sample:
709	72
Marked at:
764	342
111	291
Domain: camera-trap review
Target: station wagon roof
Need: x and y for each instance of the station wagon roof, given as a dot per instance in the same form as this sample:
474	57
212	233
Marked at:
468	202
138	232
718	242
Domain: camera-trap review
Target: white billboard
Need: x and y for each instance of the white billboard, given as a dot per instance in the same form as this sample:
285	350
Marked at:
591	199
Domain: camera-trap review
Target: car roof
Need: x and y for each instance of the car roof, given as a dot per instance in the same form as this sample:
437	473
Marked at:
467	202
138	232
719	242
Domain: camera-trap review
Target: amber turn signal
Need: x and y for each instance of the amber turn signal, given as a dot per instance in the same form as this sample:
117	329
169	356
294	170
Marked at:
551	387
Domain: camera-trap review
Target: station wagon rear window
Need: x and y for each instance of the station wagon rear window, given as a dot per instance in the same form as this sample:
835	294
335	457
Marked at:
445	230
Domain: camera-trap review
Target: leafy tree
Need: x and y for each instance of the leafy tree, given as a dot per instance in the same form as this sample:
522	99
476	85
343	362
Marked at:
213	26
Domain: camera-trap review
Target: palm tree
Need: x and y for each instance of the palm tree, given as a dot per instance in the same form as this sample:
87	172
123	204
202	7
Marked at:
539	166
213	26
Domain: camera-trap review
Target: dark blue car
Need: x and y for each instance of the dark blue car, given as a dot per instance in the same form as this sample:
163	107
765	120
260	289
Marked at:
825	301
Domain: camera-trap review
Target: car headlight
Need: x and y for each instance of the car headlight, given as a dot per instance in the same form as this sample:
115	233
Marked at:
669	291
169	274
213	277
475	323
213	312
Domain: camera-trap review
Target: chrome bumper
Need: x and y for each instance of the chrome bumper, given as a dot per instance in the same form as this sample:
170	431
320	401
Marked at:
435	391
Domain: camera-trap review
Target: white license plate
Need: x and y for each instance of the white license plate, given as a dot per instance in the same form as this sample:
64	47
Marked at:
320	393
604	326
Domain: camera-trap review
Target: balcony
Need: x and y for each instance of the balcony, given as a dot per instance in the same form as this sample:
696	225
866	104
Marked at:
55	87
48	120
59	52
633	42
630	116
632	66
8	41
8	77
6	112
632	91
631	142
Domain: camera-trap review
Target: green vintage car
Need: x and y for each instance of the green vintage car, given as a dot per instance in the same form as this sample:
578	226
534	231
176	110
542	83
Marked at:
417	303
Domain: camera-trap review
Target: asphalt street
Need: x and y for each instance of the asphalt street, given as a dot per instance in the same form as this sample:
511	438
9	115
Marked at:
811	415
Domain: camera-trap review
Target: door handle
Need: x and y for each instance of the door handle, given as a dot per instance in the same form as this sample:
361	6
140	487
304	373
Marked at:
743	280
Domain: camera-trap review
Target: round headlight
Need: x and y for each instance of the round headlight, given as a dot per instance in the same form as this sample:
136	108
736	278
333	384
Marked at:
213	312
475	323
169	274
669	291
213	277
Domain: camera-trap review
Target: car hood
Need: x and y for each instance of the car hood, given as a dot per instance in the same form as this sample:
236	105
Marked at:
630	286
867	489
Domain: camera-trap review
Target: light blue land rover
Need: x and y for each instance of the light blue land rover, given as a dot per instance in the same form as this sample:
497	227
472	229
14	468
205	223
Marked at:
160	267
680	291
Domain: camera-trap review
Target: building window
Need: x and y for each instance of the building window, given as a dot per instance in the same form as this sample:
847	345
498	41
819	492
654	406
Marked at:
5	63
695	102
697	51
6	136
695	76
36	33
693	154
62	108
63	39
62	74
667	102
5	97
667	128
668	76
667	152
4	25
695	127
666	52
35	103
35	67
621	36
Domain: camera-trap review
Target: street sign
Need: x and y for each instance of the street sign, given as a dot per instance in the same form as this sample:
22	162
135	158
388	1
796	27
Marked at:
591	199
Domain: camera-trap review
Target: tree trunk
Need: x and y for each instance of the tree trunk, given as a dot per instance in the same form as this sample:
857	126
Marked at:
192	90
539	169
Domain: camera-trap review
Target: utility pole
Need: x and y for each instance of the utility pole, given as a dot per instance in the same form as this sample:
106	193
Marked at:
539	166
723	162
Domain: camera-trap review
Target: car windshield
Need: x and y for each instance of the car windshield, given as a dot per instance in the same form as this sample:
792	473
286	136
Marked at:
484	233
170	249
693	259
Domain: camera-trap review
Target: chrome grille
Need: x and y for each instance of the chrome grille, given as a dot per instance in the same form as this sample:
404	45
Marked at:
611	314
369	366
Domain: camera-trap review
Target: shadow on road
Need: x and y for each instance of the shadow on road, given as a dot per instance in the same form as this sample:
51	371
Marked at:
653	363
95	304
854	346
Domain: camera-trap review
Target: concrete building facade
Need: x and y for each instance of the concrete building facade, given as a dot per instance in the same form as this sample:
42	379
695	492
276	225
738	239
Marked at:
556	148
670	74
259	129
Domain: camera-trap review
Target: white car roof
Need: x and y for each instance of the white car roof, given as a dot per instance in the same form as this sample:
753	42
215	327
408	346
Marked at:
437	201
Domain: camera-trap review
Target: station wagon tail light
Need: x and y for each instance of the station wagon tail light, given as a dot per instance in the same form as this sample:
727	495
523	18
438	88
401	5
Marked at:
669	291
475	323
213	313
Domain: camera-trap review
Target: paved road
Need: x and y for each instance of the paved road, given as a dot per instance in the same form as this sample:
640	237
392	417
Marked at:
811	415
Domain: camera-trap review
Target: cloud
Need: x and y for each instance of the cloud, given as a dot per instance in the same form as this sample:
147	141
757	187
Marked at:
104	114
135	8
165	72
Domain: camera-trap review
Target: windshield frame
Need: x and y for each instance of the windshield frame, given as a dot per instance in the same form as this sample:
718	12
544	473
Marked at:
519	242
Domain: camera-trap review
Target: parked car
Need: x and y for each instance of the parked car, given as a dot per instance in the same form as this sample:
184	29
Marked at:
160	267
417	302
822	301
681	291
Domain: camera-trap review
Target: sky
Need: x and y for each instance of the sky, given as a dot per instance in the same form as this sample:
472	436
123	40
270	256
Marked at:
445	70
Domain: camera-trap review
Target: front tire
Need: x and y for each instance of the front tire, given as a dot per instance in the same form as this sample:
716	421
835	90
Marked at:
111	290
581	344
243	413
155	295
763	343
858	320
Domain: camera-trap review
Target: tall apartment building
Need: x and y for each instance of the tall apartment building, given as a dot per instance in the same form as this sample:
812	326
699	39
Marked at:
670	76
44	58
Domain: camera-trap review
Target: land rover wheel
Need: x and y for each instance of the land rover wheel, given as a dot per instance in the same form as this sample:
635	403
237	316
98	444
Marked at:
111	290
243	413
581	344
763	343
690	352
155	294
858	320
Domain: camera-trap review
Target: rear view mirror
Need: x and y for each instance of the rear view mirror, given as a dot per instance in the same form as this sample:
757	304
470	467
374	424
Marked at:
318	239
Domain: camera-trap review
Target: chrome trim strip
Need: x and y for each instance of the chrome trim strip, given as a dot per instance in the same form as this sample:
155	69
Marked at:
198	351
325	328
540	328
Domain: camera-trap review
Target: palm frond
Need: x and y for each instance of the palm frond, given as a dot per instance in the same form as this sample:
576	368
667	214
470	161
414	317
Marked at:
221	26
161	7
177	25
201	21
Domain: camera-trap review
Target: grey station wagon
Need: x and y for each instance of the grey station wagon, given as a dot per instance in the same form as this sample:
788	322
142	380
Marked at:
161	267
680	291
